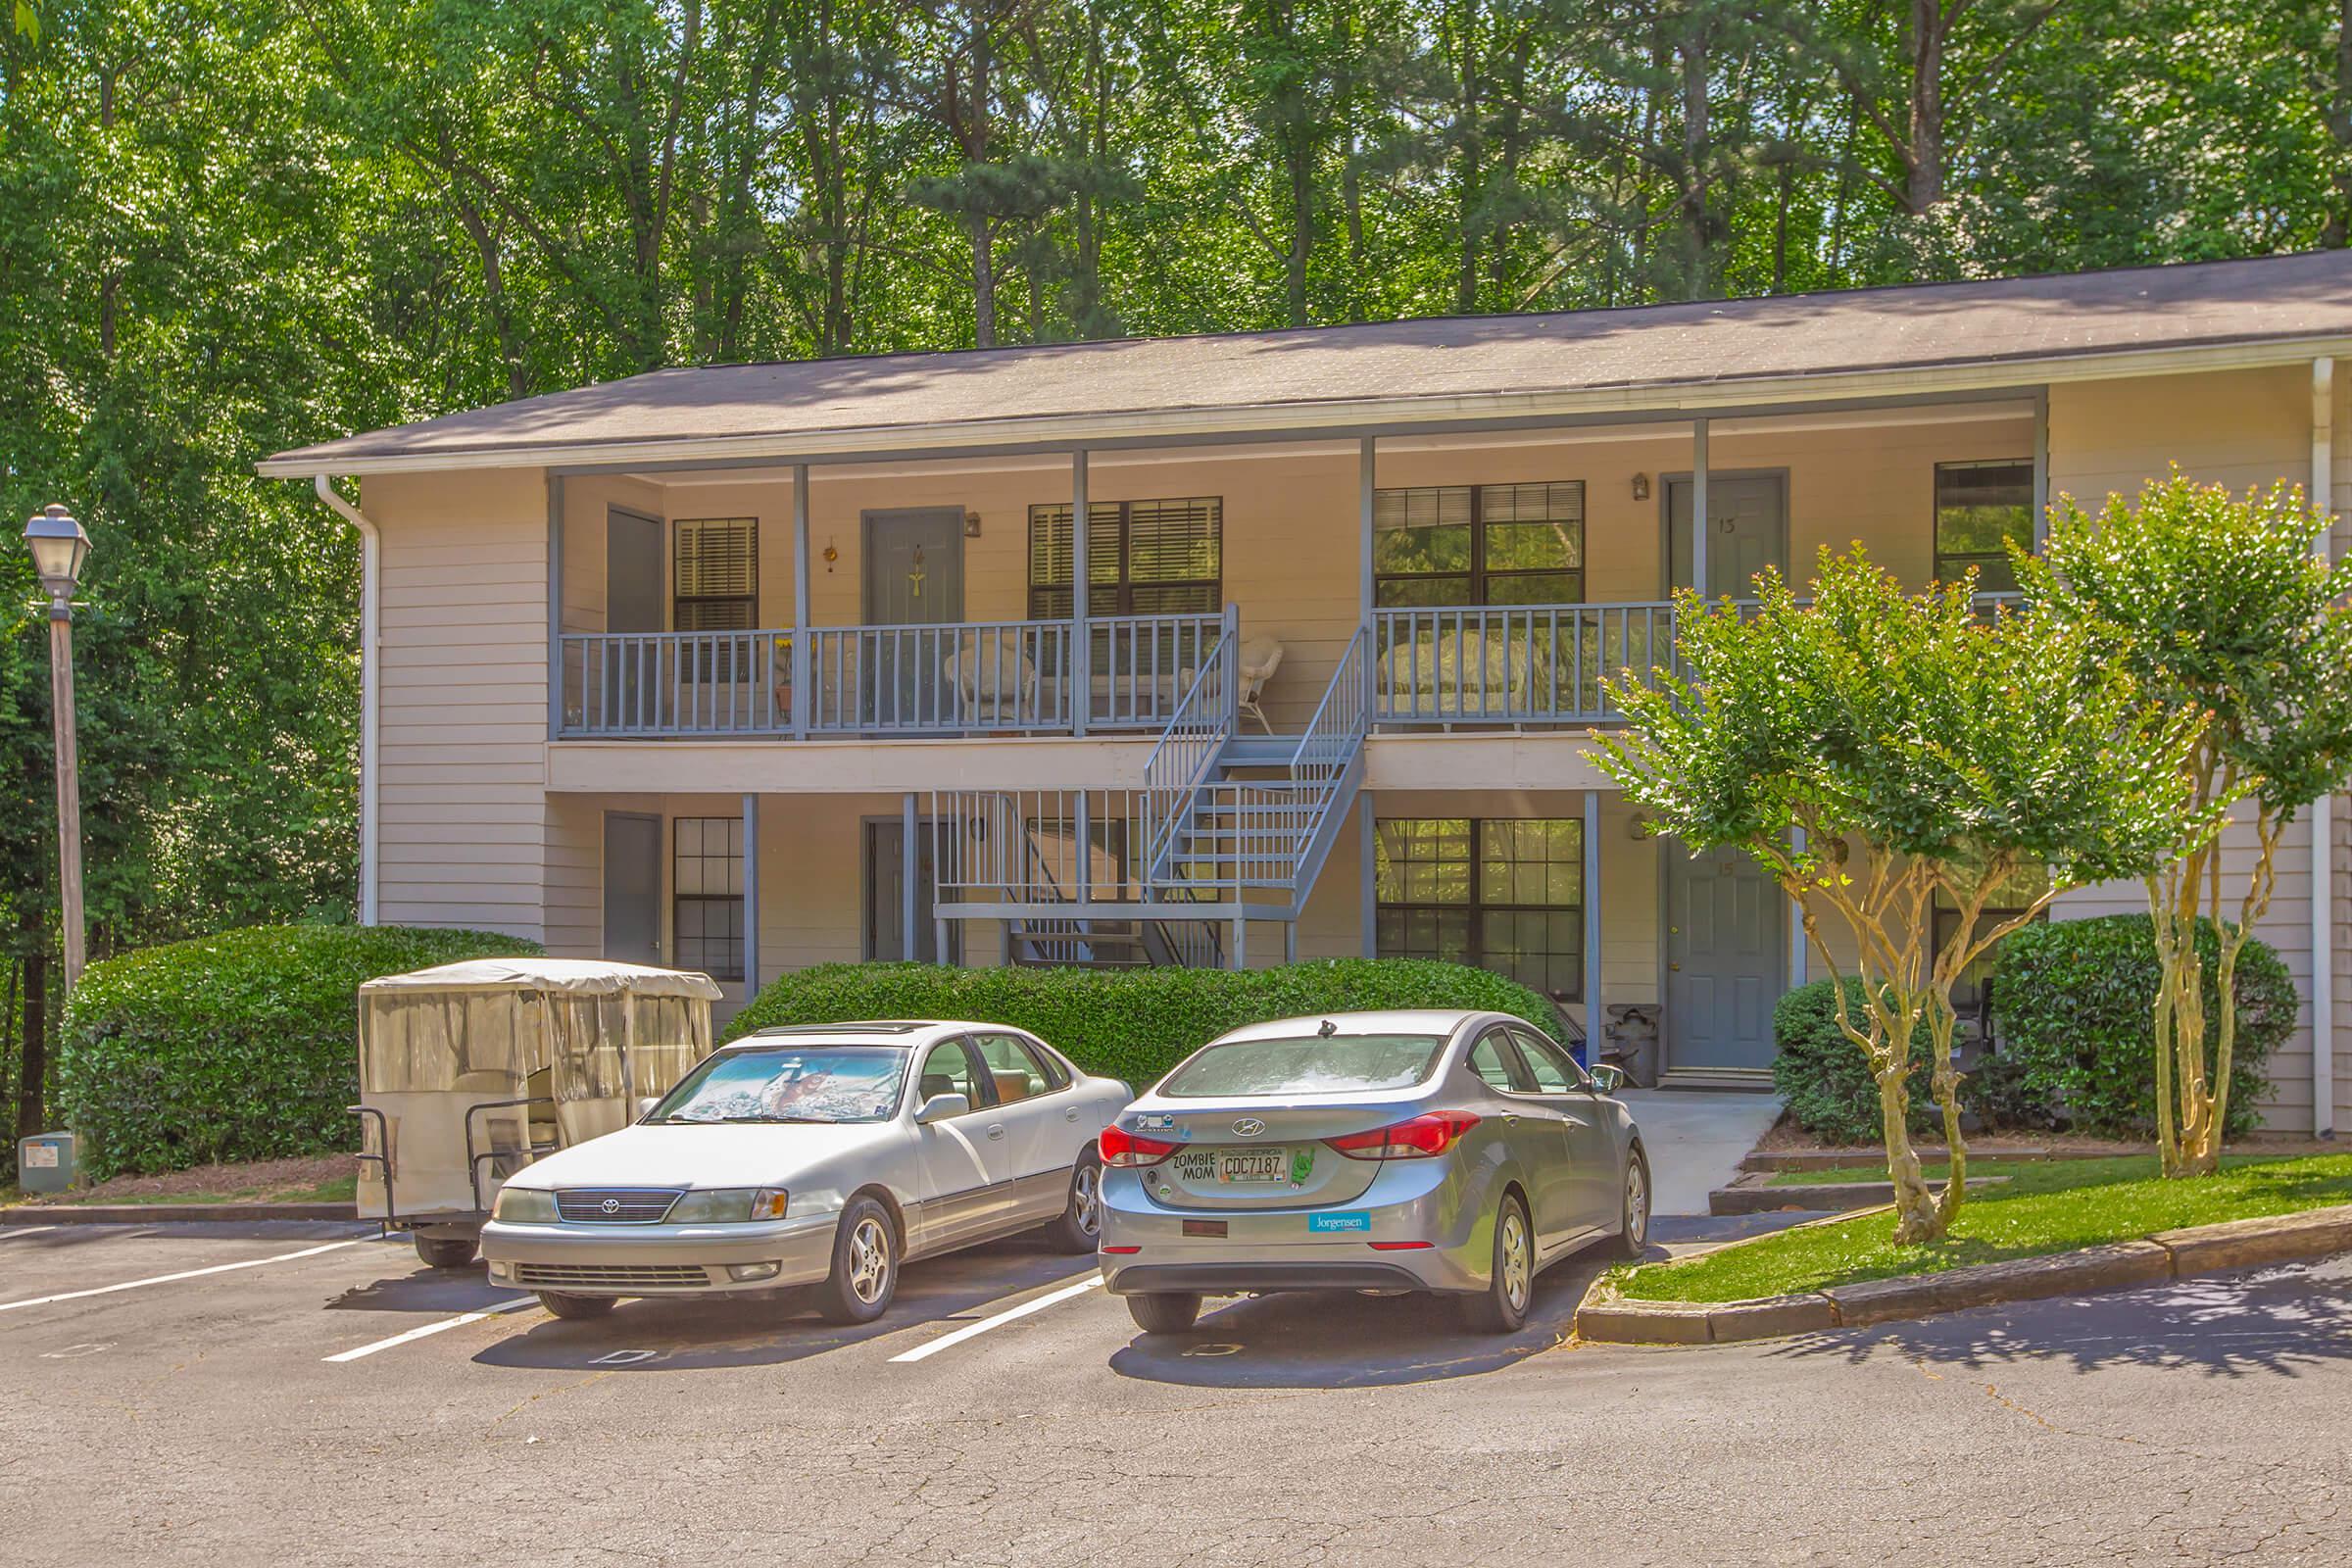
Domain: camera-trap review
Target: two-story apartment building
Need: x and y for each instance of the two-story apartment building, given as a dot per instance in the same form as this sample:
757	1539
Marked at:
751	667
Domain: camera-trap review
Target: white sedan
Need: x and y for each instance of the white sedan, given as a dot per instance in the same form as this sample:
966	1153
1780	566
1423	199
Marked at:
823	1156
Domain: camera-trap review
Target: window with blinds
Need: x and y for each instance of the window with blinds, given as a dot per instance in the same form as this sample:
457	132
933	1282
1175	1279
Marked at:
1144	558
717	574
1981	508
1487	544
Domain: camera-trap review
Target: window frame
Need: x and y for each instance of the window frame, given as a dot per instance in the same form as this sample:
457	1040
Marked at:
1111	523
1478	577
679	600
1048	1072
1949	567
975	1069
1529	1040
1476	907
678	901
1514	1066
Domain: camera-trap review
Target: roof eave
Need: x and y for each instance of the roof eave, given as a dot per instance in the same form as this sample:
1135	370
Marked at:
1260	420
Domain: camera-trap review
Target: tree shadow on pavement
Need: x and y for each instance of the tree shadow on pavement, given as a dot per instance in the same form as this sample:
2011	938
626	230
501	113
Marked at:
2275	1320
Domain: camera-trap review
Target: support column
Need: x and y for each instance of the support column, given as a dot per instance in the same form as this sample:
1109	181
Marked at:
750	895
2323	809
1239	959
554	622
2041	469
1796	923
802	619
1365	478
1081	676
1594	1017
1367	840
1699	508
909	886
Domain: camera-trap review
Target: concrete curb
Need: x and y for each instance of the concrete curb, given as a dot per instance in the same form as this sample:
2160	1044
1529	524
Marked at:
2235	1243
167	1213
1751	1194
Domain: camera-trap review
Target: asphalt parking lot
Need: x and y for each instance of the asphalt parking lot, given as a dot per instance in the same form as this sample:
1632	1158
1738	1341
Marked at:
310	1393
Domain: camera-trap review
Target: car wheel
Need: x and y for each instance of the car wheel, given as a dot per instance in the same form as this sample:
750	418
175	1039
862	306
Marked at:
575	1306
446	1251
865	1266
1633	1239
1080	1227
1501	1307
1164	1311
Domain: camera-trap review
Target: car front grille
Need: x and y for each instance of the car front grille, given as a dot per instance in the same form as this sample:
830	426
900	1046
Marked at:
610	1276
615	1205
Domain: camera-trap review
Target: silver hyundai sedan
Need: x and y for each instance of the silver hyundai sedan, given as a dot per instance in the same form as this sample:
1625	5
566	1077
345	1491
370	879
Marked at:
1461	1152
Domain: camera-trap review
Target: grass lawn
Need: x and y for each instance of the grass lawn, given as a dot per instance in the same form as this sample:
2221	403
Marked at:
2043	1208
1878	1172
336	1189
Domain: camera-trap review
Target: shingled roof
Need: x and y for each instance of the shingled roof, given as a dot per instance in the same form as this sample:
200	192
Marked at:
1696	354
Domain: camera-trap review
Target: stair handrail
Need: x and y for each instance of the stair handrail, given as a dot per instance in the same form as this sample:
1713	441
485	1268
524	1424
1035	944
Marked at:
1189	747
1332	739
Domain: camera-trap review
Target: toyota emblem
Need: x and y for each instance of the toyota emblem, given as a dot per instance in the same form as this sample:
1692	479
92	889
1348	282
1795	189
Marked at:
1249	1127
612	1206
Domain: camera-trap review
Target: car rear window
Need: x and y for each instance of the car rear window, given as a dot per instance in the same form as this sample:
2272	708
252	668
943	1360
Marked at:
1311	1064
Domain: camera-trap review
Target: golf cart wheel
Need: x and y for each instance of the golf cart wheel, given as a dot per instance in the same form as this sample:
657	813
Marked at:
575	1306
446	1251
1164	1311
1501	1307
1080	1227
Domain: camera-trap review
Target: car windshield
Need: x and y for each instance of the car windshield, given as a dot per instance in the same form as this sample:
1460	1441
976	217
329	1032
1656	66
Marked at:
805	1083
1311	1064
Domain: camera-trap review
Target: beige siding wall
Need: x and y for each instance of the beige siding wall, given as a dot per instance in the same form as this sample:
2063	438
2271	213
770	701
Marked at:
465	700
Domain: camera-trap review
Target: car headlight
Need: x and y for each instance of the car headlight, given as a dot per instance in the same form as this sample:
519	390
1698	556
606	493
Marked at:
524	1206
728	1205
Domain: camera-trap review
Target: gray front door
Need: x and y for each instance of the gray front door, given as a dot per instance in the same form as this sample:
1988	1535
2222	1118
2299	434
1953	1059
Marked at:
1748	516
632	887
1725	960
886	896
913	578
635	574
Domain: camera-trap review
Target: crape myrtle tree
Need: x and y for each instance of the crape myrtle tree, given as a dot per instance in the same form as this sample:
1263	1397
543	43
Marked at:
1876	749
2216	606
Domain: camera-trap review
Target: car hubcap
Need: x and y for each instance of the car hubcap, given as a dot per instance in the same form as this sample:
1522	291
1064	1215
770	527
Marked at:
1515	1270
870	1260
1637	1205
1082	1206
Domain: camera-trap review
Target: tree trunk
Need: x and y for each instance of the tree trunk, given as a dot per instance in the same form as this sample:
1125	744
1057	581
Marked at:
2337	232
1916	1217
1698	240
1923	156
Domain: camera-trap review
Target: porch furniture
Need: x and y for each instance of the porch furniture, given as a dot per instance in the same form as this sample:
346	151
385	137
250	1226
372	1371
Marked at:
992	684
1260	658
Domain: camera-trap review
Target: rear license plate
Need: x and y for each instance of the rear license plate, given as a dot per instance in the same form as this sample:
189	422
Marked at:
1237	1167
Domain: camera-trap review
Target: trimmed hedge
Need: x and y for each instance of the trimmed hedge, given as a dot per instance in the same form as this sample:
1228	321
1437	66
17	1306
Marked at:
1133	1024
2072	1003
1824	1078
238	1046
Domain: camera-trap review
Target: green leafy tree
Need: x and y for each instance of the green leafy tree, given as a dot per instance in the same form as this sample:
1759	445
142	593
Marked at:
2220	609
1878	747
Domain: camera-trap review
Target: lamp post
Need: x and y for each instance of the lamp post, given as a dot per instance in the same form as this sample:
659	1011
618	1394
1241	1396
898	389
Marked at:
58	548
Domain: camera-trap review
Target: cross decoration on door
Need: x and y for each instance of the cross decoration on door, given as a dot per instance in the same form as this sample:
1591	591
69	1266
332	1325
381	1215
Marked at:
915	578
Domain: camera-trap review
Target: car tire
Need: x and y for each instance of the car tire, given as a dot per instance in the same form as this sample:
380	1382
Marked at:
865	1265
1080	1227
446	1251
1501	1307
1164	1311
576	1306
1633	1215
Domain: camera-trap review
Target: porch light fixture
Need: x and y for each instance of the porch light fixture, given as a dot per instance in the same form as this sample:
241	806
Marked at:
971	525
59	549
1641	487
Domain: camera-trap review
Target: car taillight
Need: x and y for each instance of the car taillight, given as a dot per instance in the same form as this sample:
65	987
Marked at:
1417	1139
1123	1148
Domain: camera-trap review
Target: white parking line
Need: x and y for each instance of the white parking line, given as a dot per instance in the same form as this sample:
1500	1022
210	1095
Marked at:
183	1274
429	1329
969	1330
23	1230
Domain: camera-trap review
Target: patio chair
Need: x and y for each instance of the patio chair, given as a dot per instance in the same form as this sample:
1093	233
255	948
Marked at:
992	684
1260	658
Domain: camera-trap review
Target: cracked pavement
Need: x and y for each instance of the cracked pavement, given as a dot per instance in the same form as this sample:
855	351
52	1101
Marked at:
196	1423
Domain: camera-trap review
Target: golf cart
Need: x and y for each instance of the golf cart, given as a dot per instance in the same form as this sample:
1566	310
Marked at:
470	1071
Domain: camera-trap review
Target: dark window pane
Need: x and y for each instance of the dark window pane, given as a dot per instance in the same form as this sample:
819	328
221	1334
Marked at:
1981	507
1536	588
1422	593
1534	546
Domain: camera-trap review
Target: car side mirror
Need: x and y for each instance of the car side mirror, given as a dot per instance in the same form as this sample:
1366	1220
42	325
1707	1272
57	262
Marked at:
939	1108
646	1105
1609	1078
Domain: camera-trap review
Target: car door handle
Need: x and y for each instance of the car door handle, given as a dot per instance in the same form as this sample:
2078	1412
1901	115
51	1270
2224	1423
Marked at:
997	1130
1071	1115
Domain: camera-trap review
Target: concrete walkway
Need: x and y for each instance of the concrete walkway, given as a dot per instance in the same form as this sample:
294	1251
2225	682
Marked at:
1696	1139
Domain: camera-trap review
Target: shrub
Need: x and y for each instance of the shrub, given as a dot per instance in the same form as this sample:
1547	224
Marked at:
2072	1003
1133	1024
1824	1078
238	1046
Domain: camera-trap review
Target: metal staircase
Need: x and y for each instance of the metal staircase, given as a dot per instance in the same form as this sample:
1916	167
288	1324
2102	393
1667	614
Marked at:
1225	830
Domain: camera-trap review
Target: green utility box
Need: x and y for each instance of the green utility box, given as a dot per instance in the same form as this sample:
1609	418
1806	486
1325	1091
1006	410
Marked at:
45	1162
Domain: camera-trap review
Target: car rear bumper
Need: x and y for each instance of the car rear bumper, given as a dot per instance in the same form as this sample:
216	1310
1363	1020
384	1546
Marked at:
1412	1230
658	1259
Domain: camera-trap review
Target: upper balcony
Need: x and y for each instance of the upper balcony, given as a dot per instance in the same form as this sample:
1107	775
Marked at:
1500	576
